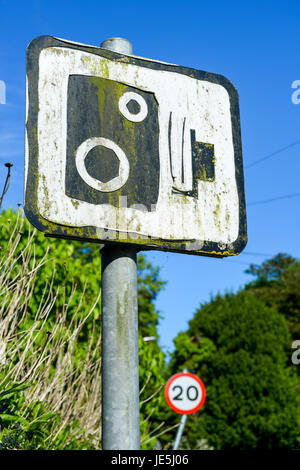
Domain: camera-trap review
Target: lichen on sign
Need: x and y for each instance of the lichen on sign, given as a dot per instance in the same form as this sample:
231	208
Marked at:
126	150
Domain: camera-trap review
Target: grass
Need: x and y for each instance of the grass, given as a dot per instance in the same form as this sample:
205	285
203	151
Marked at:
42	350
50	377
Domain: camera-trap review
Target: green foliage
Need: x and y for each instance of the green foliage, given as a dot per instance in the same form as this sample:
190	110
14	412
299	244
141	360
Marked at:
77	267
149	286
151	367
72	275
237	346
191	350
50	325
29	425
277	284
22	426
271	269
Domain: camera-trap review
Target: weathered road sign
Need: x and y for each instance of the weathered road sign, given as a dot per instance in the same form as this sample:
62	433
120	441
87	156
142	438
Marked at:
185	393
122	149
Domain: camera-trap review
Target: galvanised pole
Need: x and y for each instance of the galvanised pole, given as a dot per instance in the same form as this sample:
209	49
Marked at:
120	368
179	432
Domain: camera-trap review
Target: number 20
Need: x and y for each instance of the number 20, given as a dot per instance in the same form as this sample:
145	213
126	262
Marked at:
188	392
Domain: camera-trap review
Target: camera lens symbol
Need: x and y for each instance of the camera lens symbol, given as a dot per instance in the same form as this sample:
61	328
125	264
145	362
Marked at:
134	99
115	183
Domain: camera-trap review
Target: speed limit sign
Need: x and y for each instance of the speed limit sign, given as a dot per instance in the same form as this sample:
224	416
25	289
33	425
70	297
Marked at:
185	393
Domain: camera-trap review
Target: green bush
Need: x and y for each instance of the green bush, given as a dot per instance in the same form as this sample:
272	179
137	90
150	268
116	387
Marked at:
238	347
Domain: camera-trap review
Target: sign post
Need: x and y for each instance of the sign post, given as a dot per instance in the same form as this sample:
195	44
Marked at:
179	432
120	367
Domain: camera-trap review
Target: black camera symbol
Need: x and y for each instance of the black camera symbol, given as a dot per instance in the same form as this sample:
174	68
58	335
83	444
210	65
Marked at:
112	143
195	164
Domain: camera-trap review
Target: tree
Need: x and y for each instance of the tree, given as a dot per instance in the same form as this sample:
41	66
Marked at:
149	286
271	269
237	346
276	283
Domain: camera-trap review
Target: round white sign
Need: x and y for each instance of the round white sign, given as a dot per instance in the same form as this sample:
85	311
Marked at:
185	393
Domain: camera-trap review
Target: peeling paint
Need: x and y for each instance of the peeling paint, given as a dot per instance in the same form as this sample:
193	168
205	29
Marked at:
212	209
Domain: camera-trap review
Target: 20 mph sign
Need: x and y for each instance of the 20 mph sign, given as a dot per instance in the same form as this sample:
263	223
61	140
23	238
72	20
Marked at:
185	393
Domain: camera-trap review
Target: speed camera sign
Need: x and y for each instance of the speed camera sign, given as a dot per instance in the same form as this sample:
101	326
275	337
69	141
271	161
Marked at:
122	149
185	393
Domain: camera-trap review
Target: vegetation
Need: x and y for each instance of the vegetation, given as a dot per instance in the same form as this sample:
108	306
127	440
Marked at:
50	352
239	344
277	284
50	325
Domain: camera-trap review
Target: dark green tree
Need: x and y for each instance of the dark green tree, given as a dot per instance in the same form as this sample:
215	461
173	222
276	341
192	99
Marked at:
276	283
237	346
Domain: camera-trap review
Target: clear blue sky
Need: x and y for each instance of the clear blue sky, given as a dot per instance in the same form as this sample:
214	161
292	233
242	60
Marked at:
254	44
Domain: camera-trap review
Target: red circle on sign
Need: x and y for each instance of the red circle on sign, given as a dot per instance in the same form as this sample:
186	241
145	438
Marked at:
167	393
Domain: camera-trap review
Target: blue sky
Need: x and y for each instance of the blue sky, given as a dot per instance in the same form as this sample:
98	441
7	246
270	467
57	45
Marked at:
254	44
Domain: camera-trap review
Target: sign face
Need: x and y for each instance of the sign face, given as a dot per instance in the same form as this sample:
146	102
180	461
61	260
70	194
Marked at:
185	393
121	149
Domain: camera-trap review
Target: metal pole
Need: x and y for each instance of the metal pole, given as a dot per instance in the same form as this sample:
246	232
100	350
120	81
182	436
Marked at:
117	45
179	432
120	369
